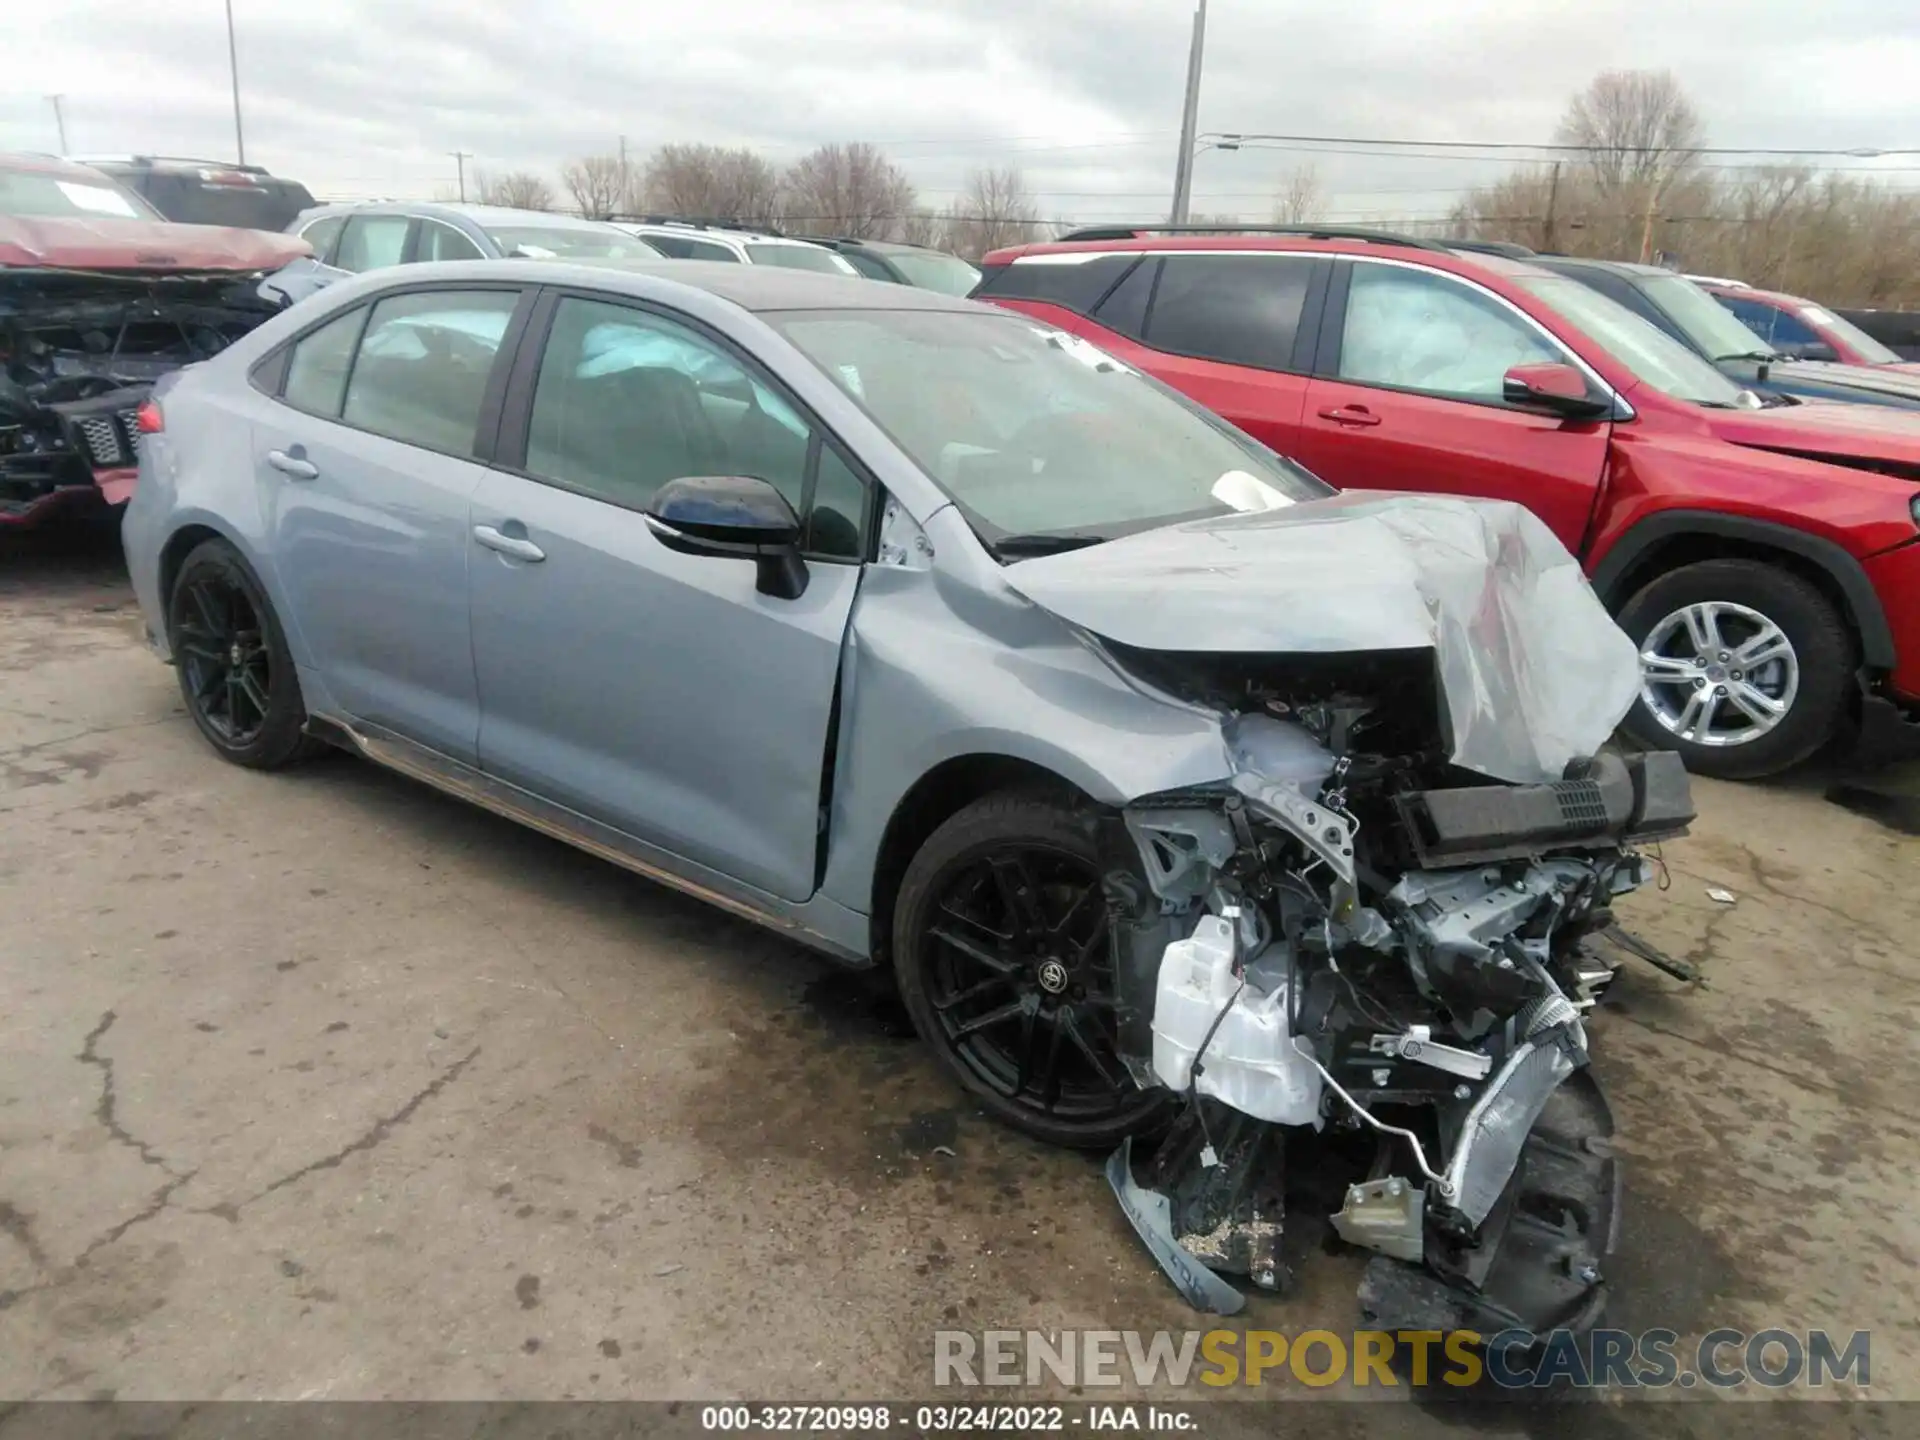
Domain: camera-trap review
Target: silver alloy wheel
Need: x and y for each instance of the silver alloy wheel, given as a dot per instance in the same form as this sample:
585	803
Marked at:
1716	673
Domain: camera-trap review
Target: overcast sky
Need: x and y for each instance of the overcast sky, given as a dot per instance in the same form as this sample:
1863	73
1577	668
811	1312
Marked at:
366	97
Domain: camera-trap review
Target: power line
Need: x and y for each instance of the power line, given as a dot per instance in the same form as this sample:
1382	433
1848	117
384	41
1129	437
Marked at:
1858	152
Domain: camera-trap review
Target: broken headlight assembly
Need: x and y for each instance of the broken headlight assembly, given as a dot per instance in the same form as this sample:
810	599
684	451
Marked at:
1364	972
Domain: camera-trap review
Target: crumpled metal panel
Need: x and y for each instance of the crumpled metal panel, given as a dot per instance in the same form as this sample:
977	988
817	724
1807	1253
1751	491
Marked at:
1533	670
1500	1121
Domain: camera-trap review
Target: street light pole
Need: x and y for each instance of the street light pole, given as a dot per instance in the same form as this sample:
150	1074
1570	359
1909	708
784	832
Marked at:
1183	169
59	121
233	69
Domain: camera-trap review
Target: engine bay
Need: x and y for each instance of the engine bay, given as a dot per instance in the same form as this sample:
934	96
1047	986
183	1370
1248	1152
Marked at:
79	352
1357	948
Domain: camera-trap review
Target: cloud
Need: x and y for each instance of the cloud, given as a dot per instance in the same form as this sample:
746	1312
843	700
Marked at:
363	97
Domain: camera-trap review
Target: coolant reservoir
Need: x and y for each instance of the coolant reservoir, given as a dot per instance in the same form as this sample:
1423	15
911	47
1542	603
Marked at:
1250	1063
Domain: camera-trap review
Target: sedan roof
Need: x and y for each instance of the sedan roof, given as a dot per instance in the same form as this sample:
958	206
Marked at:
774	287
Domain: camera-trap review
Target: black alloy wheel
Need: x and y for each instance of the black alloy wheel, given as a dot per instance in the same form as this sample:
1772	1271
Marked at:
236	674
1005	963
226	669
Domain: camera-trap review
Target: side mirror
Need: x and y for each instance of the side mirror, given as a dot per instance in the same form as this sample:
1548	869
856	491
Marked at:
1553	387
737	516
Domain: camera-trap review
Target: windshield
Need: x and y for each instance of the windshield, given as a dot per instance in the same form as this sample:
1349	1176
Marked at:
1659	360
930	270
571	242
1704	320
799	257
1035	433
1871	351
31	192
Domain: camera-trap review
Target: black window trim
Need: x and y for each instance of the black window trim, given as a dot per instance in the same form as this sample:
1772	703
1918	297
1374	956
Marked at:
1305	329
486	429
1332	335
515	411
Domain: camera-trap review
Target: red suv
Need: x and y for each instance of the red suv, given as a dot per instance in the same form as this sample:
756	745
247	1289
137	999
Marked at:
1803	330
1765	556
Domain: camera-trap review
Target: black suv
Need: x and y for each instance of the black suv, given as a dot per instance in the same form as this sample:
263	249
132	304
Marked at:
900	264
209	192
1698	321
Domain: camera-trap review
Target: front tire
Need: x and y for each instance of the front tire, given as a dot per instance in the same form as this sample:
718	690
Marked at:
1745	667
236	673
1001	947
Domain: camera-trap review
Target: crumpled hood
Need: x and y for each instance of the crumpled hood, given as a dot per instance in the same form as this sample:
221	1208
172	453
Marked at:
1533	670
1820	427
75	243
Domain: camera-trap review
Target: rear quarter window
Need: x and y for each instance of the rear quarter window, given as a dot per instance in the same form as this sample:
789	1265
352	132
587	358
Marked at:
1076	285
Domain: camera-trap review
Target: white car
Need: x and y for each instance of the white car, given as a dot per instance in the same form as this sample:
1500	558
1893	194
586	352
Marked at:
696	240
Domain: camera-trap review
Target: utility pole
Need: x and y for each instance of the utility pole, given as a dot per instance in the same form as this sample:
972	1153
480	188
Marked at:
233	69
626	181
460	158
1646	230
59	121
1183	168
1549	236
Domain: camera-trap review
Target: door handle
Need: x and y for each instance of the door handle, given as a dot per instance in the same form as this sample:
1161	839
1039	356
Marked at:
295	466
516	546
1357	416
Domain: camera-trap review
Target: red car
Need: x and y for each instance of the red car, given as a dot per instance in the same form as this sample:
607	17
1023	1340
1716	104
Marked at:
100	297
1803	330
1765	556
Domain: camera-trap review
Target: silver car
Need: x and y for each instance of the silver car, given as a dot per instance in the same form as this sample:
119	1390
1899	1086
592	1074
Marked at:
1172	787
351	239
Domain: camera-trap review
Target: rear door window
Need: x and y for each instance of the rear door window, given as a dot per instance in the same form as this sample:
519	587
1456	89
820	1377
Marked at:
373	241
1241	309
422	368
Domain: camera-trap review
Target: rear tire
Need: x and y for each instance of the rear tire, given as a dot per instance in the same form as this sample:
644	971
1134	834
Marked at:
236	674
1737	604
1000	945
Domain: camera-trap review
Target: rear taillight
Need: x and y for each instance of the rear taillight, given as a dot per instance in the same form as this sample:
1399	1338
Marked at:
148	419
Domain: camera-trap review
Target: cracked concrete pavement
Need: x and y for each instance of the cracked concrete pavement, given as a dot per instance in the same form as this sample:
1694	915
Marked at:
321	1084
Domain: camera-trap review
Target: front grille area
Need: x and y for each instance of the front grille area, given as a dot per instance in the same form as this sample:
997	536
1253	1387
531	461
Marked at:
105	430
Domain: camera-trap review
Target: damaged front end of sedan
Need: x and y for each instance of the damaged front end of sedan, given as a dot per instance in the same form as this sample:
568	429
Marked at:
79	353
1370	937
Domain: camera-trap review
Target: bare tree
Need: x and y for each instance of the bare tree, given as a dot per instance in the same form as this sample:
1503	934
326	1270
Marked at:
847	190
1300	199
597	184
995	208
517	189
710	182
1638	134
924	227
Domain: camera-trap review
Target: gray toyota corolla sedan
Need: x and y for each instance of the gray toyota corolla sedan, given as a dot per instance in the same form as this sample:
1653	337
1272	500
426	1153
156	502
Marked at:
1176	790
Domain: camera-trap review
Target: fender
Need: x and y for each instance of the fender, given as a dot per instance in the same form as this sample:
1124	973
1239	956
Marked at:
1863	604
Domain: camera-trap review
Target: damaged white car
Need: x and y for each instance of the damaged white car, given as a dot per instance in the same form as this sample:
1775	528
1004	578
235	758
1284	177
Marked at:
1186	799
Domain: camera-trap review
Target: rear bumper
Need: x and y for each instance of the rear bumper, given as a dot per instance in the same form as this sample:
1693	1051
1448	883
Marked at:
62	502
